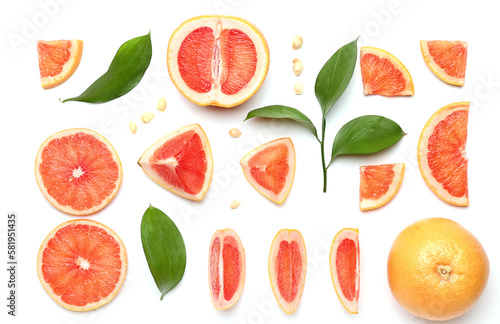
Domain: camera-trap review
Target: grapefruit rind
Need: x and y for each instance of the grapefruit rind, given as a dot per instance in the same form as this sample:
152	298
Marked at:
436	69
105	300
369	204
52	200
146	166
69	67
215	97
423	142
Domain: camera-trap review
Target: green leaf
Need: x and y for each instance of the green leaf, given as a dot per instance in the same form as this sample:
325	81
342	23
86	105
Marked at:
279	111
164	249
124	73
365	135
335	75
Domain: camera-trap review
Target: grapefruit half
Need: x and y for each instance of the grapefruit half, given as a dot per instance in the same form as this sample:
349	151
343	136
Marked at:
379	184
58	60
217	60
181	162
447	59
82	264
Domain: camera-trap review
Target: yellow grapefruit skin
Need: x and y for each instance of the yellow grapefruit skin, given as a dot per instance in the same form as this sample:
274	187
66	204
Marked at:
58	60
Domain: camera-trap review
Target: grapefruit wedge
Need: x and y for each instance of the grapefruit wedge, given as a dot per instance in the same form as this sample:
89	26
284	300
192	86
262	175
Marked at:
217	60
447	59
270	168
383	74
441	153
78	171
226	268
181	162
344	267
58	60
82	264
287	268
379	184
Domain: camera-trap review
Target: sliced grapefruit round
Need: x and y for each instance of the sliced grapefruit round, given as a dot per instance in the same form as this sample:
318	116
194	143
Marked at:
181	162
270	168
58	60
379	184
217	60
344	267
226	268
82	264
447	59
441	153
287	268
78	171
383	74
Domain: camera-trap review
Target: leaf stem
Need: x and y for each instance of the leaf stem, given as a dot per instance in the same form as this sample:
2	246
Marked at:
323	127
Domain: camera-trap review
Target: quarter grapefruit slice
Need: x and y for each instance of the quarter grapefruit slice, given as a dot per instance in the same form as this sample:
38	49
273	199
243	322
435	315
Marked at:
287	268
383	74
344	267
78	171
181	162
378	184
82	264
447	59
58	60
441	153
226	268
217	60
270	168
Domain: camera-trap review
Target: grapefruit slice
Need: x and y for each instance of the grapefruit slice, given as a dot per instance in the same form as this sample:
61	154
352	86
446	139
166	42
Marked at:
378	184
78	171
383	74
447	59
82	264
217	60
287	268
441	153
181	162
226	268
344	267
270	168
58	60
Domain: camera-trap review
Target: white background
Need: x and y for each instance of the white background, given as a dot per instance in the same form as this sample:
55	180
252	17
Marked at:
29	114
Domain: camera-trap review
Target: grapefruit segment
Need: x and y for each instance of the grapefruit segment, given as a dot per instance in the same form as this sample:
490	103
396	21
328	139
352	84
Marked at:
217	60
270	168
226	264
78	171
58	60
379	184
441	153
344	268
287	268
82	264
181	162
447	59
383	74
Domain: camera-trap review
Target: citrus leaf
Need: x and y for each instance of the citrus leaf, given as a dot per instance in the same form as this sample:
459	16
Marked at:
335	75
279	111
126	70
365	135
164	249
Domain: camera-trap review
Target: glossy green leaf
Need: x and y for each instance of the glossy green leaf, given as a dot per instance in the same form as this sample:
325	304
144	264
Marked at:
164	249
124	73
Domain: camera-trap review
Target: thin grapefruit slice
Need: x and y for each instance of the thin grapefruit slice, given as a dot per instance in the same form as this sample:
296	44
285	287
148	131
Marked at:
383	74
82	264
78	171
181	162
379	184
287	268
441	153
217	60
447	59
270	168
344	267
58	60
226	268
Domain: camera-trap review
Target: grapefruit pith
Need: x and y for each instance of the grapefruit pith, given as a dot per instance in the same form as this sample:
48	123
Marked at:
447	59
379	184
58	60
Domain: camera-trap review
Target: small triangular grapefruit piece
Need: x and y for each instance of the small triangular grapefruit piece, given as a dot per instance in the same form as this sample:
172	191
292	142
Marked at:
447	59
270	168
58	60
379	184
181	162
